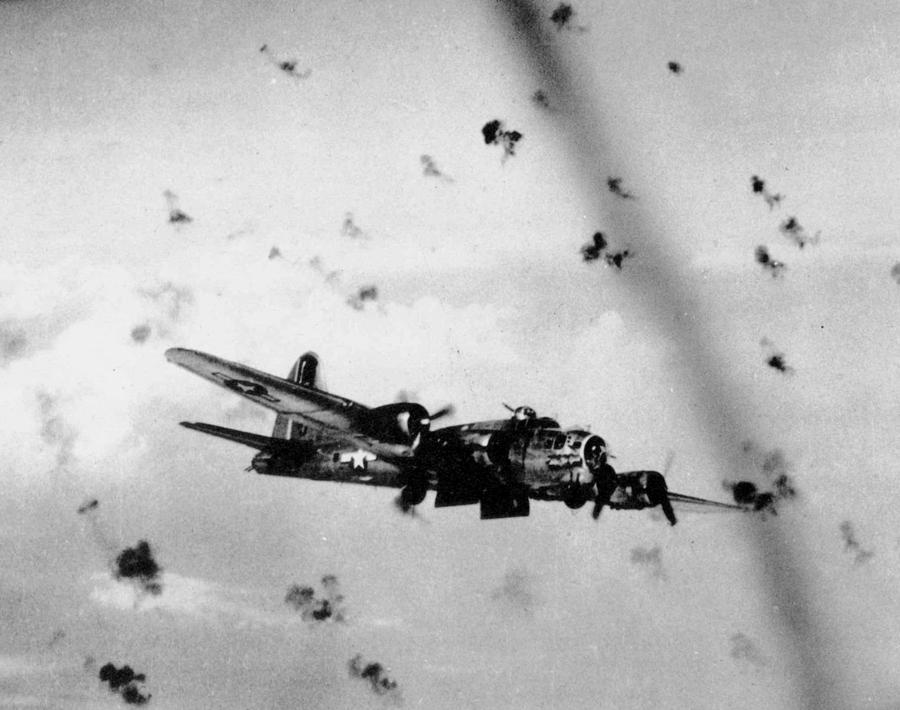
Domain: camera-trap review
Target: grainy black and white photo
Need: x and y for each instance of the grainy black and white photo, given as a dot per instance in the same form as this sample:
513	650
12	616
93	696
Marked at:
501	354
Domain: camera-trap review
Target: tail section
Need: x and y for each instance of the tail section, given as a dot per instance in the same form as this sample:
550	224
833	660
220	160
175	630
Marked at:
304	372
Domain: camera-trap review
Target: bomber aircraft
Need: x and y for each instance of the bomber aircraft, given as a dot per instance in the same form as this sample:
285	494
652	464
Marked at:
498	464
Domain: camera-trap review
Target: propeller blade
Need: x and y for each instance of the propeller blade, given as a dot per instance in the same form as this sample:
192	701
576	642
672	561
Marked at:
670	458
443	412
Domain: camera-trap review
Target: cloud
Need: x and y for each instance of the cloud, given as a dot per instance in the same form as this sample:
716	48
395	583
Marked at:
81	388
197	600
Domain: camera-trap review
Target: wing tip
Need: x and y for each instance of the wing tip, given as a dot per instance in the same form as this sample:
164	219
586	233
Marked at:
180	356
173	354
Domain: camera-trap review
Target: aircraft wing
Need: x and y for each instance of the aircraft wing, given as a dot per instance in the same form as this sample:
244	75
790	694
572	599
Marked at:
324	412
701	505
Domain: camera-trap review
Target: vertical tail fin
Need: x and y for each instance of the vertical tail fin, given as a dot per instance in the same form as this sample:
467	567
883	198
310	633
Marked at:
304	372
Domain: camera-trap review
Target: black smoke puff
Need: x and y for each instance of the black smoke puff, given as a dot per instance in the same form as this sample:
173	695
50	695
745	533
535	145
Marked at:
775	468
88	506
762	257
851	544
792	229
758	185
593	250
365	293
562	15
430	169
374	673
776	362
617	258
176	216
313	608
540	98
288	66
614	184
137	564
124	681
490	130
495	134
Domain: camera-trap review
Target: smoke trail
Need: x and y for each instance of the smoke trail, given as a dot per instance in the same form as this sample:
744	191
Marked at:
664	284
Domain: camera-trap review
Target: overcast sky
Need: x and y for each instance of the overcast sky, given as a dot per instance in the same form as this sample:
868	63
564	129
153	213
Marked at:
482	298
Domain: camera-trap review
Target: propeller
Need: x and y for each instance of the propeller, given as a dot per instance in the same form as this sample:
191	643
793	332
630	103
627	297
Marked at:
605	481
445	411
405	396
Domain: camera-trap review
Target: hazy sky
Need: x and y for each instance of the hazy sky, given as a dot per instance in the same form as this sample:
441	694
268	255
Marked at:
483	298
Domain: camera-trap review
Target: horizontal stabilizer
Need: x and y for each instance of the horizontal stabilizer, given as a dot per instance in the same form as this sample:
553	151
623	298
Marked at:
254	441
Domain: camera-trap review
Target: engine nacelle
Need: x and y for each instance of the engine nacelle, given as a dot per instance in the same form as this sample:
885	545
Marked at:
399	423
285	460
270	464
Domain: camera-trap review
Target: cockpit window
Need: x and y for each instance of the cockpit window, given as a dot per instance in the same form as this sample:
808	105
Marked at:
559	441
